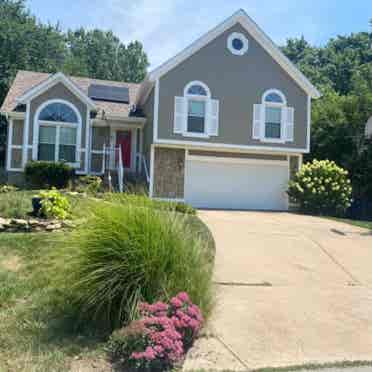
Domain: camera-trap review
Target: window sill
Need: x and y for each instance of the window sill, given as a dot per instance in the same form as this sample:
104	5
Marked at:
197	135
273	140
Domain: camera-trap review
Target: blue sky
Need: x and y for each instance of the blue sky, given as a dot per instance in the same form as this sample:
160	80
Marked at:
167	26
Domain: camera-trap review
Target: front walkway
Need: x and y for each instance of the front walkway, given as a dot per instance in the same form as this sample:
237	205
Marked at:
291	290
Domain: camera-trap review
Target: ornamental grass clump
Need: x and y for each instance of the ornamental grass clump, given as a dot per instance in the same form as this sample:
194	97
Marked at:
124	254
160	338
321	187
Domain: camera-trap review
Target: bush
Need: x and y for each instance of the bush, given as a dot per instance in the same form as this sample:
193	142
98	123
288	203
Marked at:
7	188
145	201
321	187
53	204
44	174
126	254
160	338
88	184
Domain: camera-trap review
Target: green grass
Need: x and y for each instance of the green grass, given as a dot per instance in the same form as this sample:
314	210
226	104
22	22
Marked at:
38	325
358	223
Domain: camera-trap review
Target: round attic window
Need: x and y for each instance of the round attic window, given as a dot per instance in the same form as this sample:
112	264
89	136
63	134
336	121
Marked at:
237	44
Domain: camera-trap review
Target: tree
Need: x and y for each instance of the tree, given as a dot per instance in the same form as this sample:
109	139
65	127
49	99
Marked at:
100	54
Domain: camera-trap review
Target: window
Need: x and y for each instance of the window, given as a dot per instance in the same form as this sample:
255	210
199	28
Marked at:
237	44
197	96
58	124
274	102
196	114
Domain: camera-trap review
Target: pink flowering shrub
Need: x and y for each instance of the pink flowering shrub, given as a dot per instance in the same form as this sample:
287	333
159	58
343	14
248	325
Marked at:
162	335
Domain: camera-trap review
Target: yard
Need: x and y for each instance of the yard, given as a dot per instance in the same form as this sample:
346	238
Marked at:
39	330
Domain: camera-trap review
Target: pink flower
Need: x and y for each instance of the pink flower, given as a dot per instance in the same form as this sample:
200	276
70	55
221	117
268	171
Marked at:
176	302
184	297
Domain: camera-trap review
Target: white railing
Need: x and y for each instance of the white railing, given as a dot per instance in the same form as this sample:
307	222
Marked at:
112	160
120	169
142	162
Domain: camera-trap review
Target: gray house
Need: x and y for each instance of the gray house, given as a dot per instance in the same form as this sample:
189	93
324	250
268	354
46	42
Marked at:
223	124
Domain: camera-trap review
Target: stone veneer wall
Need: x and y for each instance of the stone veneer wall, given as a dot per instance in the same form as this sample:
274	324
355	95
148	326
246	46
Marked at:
169	173
294	166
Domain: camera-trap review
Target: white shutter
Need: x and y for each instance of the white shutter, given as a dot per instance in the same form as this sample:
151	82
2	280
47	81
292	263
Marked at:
289	123
180	114
213	116
257	121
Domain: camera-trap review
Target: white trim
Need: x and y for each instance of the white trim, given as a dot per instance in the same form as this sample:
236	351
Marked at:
308	131
15	115
196	82
255	31
279	93
280	105
218	159
87	142
242	38
152	160
176	200
26	126
129	119
37	122
9	145
229	146
196	97
156	110
59	77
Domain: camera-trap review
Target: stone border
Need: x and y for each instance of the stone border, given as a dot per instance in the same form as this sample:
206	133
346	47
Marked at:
32	225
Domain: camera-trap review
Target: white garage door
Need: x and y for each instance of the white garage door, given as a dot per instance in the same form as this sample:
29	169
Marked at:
247	184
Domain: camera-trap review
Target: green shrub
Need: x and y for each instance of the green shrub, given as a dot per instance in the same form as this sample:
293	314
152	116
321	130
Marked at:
53	204
7	188
126	253
88	184
44	174
321	187
145	201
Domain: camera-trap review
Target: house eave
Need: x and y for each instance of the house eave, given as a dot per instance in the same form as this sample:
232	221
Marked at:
59	77
257	33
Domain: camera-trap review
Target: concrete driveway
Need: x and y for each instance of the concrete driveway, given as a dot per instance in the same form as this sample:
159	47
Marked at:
291	289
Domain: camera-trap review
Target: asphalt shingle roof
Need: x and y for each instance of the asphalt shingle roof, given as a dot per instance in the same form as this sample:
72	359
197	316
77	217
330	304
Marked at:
25	80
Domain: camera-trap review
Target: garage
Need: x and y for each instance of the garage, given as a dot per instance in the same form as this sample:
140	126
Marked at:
224	183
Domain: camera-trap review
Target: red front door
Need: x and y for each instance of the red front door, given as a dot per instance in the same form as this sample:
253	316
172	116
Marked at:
124	140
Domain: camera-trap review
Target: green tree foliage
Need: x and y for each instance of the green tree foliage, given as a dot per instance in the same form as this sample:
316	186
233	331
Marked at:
102	55
342	70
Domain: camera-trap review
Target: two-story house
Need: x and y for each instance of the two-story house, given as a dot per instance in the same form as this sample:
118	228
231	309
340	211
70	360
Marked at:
223	124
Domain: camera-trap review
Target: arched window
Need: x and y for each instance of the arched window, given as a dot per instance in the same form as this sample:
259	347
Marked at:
197	95
58	125
274	103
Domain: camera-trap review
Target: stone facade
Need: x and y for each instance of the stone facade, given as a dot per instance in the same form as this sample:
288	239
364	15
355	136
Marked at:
169	173
294	166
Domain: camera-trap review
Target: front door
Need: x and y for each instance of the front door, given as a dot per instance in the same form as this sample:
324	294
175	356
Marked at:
124	140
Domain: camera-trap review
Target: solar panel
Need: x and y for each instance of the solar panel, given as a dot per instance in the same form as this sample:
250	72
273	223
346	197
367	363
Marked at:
108	93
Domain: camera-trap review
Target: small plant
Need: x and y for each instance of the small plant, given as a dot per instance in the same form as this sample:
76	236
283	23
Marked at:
53	204
7	188
160	338
89	184
321	187
44	174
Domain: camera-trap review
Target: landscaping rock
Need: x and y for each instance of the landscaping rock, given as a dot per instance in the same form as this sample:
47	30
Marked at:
32	225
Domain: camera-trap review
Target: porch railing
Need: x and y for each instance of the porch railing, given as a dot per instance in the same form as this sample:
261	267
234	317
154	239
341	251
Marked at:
142	163
113	161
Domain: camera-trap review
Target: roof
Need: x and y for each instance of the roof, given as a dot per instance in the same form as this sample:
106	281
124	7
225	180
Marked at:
257	33
26	80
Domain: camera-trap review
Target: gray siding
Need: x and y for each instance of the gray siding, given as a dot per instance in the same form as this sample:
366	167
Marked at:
148	130
238	83
17	137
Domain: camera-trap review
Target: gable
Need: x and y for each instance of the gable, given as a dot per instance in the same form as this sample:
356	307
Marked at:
242	19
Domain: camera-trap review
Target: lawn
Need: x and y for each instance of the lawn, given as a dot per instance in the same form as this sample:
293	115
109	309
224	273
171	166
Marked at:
34	334
358	223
